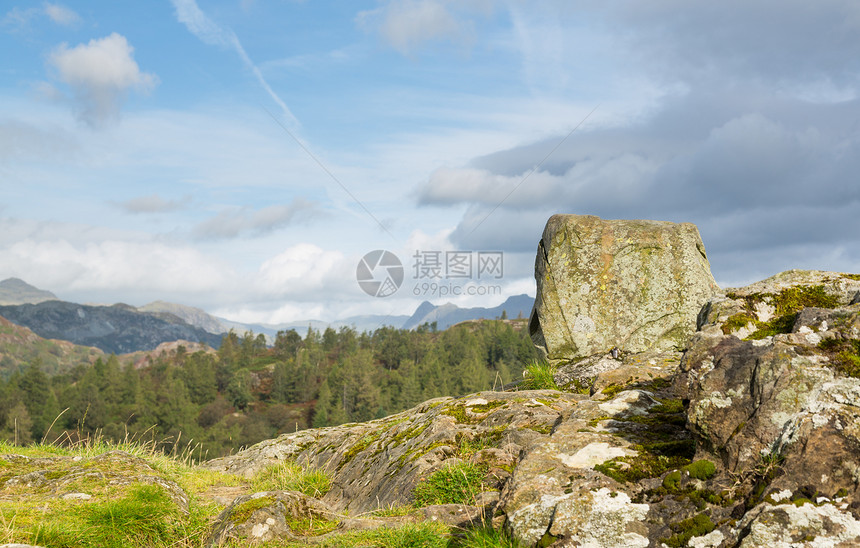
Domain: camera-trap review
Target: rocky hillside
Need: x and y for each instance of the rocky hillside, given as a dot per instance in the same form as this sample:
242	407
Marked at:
114	329
189	314
19	346
736	426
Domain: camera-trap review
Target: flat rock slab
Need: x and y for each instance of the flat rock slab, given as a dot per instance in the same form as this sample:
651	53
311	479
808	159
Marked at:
635	285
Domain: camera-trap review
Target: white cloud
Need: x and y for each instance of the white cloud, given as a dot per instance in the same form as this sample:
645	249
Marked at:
62	15
189	14
234	222
116	267
153	203
303	268
18	18
100	74
59	14
408	24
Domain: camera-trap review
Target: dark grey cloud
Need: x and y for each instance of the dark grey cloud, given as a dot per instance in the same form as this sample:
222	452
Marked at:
787	41
244	221
760	149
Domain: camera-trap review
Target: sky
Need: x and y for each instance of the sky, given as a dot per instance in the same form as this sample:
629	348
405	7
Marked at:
242	156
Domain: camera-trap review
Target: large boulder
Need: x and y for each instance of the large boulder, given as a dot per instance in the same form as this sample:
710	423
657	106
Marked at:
634	285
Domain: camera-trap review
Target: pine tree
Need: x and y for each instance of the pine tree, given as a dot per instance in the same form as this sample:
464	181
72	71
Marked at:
323	407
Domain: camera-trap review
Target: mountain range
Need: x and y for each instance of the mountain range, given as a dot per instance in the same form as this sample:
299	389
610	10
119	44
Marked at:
122	328
116	329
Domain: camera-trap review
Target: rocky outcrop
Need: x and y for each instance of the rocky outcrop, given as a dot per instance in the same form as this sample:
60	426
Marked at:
634	285
781	407
378	464
738	441
269	515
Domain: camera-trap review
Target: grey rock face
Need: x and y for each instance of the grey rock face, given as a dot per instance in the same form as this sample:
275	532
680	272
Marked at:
634	285
377	464
781	410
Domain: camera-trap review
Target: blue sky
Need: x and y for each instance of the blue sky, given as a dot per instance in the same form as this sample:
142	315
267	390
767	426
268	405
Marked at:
243	155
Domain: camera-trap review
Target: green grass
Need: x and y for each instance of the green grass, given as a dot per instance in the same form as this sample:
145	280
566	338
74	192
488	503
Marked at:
539	376
311	527
421	535
146	516
290	476
459	483
486	537
118	514
844	355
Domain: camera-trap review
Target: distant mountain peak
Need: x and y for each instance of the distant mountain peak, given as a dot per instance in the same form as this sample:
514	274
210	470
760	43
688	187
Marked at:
17	291
448	314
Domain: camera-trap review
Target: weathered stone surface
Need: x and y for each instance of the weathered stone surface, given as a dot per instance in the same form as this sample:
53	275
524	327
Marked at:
457	515
555	491
378	464
602	372
845	287
634	285
808	526
780	410
265	516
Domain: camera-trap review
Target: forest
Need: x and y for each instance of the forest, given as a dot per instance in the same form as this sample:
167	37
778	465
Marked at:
212	403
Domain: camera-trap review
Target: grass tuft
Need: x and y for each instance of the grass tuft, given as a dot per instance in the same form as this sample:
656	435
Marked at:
539	376
290	476
486	537
459	483
420	535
